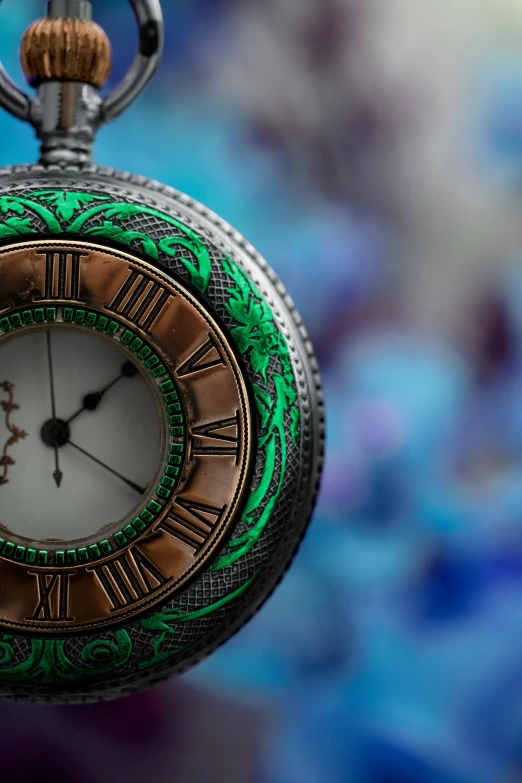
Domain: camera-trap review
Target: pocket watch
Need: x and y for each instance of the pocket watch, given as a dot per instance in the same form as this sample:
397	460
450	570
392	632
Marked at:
161	421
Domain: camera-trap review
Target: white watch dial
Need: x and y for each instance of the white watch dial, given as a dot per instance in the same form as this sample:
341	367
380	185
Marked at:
86	458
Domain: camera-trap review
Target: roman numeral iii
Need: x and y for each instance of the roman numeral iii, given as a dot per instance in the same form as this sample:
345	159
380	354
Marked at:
62	276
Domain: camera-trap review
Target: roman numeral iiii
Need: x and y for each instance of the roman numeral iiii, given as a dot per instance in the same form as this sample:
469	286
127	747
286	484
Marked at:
140	299
129	578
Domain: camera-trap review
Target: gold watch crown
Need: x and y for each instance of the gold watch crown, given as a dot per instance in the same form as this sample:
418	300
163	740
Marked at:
58	48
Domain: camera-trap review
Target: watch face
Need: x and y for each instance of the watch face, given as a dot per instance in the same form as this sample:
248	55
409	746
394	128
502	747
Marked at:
125	433
73	446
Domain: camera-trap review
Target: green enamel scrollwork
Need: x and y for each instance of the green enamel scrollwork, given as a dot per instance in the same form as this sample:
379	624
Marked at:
67	203
64	212
165	624
199	269
257	337
20	206
48	662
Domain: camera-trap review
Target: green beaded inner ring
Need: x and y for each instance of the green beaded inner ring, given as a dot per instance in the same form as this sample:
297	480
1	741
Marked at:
153	363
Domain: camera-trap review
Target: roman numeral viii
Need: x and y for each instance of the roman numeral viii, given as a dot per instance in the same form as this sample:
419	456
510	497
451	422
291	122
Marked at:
140	299
192	523
62	276
53	597
219	439
129	578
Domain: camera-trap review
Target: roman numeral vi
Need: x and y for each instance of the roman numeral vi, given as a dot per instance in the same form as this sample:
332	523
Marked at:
219	439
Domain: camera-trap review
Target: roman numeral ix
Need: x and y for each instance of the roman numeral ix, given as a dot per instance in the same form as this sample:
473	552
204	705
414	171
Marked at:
219	439
140	299
129	578
53	596
189	522
62	275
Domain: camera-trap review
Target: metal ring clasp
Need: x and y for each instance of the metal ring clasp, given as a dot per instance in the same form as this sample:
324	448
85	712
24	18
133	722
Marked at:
150	21
152	36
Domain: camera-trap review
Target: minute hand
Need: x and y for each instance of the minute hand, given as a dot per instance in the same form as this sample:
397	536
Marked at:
131	484
92	401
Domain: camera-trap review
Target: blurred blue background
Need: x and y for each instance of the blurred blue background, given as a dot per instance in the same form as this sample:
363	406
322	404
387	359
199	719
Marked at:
372	150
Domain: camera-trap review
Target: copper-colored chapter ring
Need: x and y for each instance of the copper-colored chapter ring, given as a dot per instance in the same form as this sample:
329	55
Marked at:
196	520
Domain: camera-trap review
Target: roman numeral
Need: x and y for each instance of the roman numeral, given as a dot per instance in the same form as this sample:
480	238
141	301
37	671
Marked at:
129	578
220	439
140	299
53	596
204	358
193	528
62	276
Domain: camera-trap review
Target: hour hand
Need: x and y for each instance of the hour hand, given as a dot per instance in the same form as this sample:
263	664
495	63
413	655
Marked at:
57	475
